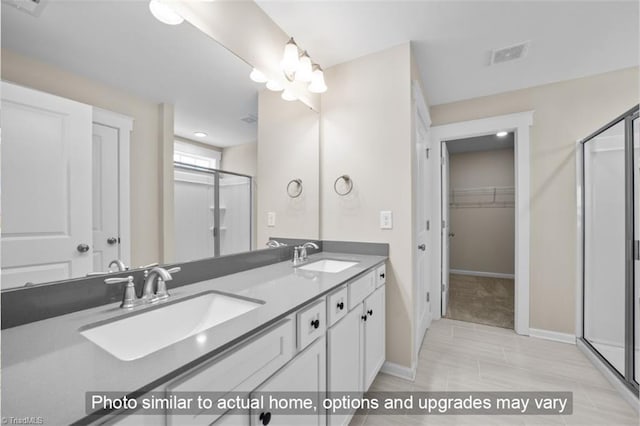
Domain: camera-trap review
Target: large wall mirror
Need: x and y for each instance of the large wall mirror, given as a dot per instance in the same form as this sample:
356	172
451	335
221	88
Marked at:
107	113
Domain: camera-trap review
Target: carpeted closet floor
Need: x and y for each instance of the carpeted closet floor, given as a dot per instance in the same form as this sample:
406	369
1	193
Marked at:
481	300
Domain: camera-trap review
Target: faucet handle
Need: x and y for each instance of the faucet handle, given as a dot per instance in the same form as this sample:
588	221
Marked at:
119	280
129	298
174	270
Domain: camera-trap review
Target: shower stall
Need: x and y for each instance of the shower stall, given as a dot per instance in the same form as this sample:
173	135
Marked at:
212	213
610	211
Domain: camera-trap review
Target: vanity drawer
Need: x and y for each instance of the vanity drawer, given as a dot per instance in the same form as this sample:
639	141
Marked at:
239	369
381	275
311	323
361	288
337	305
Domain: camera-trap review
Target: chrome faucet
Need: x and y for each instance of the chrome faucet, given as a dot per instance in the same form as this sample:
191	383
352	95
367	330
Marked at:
120	266
159	277
274	244
305	246
300	253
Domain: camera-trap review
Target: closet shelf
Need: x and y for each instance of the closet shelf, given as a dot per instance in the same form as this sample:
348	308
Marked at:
485	197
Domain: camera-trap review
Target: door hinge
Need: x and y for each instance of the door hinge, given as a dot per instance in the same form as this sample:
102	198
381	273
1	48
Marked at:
427	296
444	225
442	161
427	151
443	287
636	250
215	232
428	225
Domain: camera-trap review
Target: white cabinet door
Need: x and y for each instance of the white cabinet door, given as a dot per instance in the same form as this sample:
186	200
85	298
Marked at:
304	376
46	187
106	233
344	360
374	335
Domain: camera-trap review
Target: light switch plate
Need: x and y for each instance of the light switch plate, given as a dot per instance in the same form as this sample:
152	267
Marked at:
271	219
386	219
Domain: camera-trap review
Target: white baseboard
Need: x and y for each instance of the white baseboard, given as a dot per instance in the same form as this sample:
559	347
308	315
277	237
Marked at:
552	335
482	274
398	370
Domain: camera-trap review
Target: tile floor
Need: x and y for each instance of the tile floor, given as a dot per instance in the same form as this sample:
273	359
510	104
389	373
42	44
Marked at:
482	300
460	356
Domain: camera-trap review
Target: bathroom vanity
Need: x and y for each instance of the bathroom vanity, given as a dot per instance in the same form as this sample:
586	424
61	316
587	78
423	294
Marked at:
309	331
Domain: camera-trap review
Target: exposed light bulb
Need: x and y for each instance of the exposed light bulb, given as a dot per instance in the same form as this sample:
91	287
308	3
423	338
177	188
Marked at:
288	95
290	59
305	68
274	85
501	134
258	76
164	13
317	80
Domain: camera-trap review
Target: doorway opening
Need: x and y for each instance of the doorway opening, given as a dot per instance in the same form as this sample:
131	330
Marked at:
478	211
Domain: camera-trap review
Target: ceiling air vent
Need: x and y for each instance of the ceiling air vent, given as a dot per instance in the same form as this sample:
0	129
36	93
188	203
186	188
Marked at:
510	53
32	7
250	119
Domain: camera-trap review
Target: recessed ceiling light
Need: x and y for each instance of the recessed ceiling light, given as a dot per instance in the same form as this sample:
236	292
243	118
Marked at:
164	13
502	134
200	134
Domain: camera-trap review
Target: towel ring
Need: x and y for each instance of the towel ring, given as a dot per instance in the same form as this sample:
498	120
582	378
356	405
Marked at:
347	180
297	192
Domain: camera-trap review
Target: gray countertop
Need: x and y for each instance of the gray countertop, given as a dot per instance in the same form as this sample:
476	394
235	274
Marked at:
47	366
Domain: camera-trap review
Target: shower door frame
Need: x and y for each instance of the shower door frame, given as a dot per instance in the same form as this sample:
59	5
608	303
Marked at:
216	217
631	249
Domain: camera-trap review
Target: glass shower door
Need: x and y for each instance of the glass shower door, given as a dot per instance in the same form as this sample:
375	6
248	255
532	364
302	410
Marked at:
604	244
636	286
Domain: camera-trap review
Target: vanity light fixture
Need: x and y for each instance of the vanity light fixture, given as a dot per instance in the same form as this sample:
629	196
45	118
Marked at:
258	76
164	13
200	134
305	68
275	86
288	95
290	60
317	80
502	134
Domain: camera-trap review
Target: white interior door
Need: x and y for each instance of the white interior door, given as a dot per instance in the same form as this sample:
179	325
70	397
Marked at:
46	187
445	228
424	249
106	235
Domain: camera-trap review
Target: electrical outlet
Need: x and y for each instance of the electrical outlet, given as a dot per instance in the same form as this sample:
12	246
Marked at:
386	219
271	219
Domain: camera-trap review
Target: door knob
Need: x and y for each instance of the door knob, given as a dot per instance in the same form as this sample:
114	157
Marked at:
422	247
370	312
111	241
265	418
341	305
82	248
451	234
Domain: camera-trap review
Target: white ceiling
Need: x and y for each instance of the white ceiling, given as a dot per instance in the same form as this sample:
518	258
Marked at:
481	143
452	39
120	44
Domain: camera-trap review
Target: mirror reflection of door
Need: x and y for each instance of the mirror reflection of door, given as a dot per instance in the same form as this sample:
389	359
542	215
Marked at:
46	232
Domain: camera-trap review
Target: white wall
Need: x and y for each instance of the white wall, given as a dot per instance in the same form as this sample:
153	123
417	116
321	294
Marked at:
241	159
366	133
484	236
288	148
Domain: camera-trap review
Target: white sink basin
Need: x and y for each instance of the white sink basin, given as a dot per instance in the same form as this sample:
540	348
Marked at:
141	334
328	265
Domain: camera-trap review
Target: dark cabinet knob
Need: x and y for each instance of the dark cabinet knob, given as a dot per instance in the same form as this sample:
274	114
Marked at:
82	248
422	247
315	324
111	241
341	305
364	317
382	275
265	418
370	312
